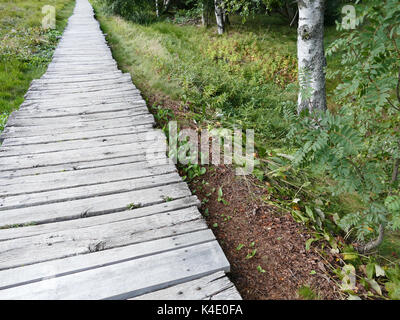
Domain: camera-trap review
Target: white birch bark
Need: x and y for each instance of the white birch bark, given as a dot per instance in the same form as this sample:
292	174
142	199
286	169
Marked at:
311	56
157	11
219	16
166	4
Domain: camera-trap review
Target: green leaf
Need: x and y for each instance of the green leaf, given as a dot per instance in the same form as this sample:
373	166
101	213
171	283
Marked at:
370	268
260	269
348	256
374	285
392	203
310	213
309	242
251	254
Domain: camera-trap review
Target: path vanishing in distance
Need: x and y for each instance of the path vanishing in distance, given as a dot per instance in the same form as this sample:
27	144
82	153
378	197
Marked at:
90	205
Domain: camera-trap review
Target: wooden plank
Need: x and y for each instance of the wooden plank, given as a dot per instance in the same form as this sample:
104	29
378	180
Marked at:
204	288
87	126
7	151
50	246
85	97
61	267
80	87
160	159
92	206
32	230
142	149
128	279
93	102
66	94
12	186
82	119
83	192
82	80
48	138
77	79
44	112
228	294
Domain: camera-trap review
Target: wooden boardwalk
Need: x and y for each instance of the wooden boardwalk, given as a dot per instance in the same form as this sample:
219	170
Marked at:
90	206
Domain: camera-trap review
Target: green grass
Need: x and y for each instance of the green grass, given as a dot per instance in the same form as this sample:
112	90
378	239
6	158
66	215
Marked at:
306	293
246	74
25	48
250	74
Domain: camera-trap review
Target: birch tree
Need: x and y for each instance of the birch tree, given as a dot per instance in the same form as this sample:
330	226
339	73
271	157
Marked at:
219	16
157	10
311	56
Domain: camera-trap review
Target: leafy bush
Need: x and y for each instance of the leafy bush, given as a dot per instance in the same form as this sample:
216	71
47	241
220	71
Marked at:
359	148
138	11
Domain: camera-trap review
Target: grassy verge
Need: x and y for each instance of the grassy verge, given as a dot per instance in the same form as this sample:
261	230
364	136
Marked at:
25	48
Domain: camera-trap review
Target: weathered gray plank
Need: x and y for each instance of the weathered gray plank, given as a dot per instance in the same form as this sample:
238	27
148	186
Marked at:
228	294
49	113
160	159
68	94
48	138
128	279
205	288
76	127
142	149
50	246
32	230
54	137
7	151
80	119
92	206
83	192
91	114
61	267
78	178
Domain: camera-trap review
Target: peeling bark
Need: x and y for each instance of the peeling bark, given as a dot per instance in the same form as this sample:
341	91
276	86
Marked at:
311	55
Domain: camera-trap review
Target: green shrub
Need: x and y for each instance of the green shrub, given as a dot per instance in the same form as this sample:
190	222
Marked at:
138	11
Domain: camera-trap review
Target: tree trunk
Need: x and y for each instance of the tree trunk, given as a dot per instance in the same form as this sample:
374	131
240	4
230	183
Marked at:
219	16
311	56
205	14
157	11
226	18
166	4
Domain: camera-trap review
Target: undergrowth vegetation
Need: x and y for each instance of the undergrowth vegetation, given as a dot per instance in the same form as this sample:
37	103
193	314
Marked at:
25	47
333	171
